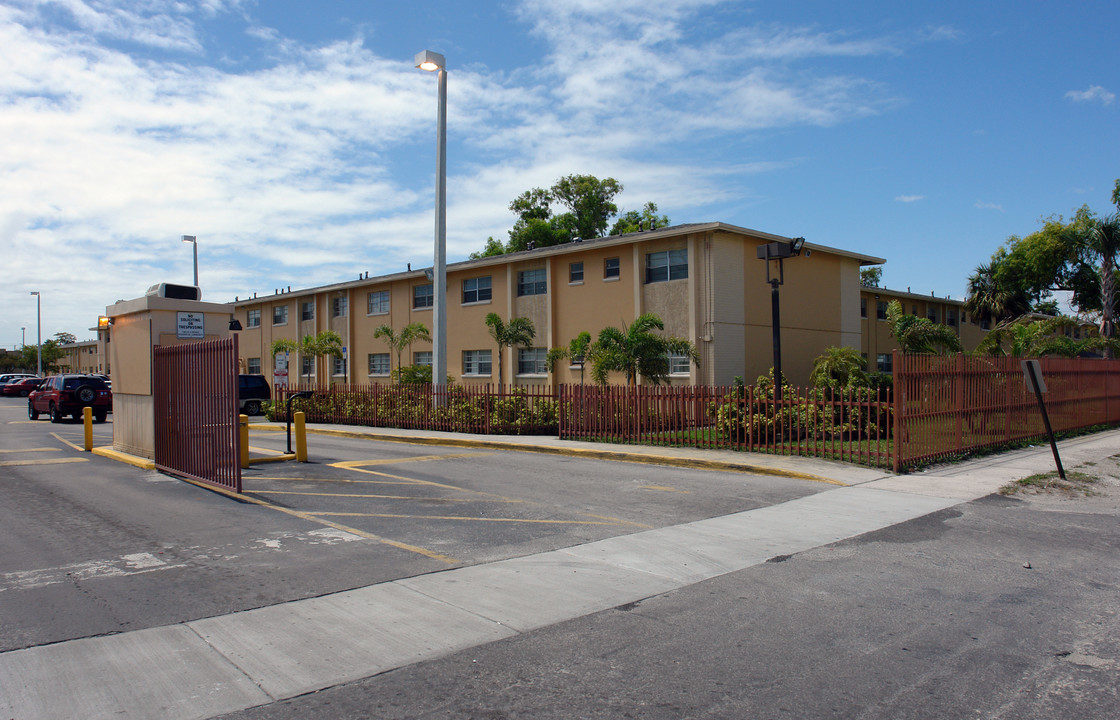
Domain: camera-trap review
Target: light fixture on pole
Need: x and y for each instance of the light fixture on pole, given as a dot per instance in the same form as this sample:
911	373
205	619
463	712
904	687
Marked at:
39	326
193	241
434	62
777	252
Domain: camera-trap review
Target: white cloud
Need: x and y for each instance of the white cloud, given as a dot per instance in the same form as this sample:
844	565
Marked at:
1094	93
909	198
980	205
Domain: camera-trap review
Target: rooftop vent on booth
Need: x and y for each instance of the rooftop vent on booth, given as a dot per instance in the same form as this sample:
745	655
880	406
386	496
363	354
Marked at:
175	292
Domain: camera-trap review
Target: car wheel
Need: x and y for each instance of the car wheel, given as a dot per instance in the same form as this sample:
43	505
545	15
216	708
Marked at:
32	413
100	417
56	416
24	393
253	407
85	394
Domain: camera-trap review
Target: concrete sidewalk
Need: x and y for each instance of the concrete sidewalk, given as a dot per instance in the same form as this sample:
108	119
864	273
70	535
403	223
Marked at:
216	665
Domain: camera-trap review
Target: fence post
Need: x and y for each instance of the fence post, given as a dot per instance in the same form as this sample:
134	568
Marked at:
959	392
898	399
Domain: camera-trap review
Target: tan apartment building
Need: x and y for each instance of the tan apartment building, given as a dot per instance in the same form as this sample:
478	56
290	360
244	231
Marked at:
877	343
89	356
704	280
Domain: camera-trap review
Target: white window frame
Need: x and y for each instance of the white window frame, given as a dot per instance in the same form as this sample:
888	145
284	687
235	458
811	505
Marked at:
532	282
539	367
672	263
253	318
428	297
375	371
282	310
374	307
340	306
477	363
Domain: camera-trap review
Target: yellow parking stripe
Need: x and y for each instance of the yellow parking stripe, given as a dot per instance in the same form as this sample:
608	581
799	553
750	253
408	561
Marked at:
419	458
59	461
460	517
351	466
30	450
356	495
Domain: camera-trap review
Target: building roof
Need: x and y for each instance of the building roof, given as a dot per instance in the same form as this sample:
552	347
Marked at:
909	295
562	249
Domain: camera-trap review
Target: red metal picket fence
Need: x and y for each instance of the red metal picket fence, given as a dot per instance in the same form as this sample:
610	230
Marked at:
853	426
950	405
194	388
482	409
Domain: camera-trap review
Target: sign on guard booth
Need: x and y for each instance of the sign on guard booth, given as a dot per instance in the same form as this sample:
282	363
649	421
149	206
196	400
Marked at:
166	315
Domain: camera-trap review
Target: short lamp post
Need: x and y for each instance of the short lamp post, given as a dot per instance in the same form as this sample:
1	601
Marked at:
193	241
772	253
39	330
434	62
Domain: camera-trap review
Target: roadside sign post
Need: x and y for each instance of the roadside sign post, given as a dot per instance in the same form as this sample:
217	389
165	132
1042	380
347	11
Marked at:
1032	373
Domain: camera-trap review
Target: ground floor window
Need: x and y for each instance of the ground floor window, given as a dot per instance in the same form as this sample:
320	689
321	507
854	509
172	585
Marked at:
476	362
679	364
379	363
531	361
885	363
424	357
254	366
339	366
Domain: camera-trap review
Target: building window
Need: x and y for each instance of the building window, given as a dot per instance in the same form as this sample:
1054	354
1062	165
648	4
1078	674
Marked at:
863	307
424	357
422	297
575	272
885	362
476	290
679	364
914	310
985	324
932	314
379	363
611	269
881	309
339	307
378	303
307	310
951	318
254	319
666	265
339	366
307	366
476	362
254	366
280	315
531	282
531	361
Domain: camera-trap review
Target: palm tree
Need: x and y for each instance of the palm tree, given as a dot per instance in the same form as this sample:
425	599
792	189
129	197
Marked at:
519	332
1104	241
327	342
1030	337
409	334
917	335
578	350
635	350
990	300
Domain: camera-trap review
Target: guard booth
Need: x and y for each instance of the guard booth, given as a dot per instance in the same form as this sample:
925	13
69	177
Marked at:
174	361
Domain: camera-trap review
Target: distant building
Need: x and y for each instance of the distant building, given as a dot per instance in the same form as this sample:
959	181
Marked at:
876	341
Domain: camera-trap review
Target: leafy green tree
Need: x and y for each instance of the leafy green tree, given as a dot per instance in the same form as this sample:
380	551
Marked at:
589	201
635	350
990	299
917	335
1030	337
493	247
839	367
633	221
65	338
519	332
579	348
1103	241
870	277
414	331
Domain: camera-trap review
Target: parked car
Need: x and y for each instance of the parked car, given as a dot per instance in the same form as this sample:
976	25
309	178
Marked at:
9	377
252	390
20	387
62	395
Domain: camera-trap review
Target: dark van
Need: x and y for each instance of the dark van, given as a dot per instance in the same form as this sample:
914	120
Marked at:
252	390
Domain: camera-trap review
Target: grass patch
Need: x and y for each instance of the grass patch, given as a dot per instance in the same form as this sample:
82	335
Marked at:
1076	483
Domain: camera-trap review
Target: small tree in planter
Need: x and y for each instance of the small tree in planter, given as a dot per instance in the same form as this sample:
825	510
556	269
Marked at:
519	332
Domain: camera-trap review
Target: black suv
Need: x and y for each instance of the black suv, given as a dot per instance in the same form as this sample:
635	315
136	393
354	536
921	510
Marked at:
252	390
62	395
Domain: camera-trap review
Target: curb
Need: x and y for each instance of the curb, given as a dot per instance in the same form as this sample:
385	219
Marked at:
617	455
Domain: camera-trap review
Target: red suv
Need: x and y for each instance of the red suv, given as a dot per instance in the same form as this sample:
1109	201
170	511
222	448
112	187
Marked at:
62	395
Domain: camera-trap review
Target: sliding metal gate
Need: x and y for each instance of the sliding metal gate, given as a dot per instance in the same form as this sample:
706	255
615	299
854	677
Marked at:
196	413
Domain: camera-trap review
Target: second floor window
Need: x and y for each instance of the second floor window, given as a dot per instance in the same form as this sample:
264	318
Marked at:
280	315
881	310
611	268
254	318
476	290
338	307
666	265
531	282
422	297
378	302
307	310
575	272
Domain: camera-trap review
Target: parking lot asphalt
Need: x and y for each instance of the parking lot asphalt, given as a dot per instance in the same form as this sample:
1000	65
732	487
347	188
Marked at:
565	541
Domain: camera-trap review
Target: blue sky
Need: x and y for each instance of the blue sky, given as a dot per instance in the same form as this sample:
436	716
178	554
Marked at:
297	141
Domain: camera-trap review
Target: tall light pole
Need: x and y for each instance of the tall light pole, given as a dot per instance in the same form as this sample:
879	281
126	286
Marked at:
39	326
778	251
193	241
24	341
434	62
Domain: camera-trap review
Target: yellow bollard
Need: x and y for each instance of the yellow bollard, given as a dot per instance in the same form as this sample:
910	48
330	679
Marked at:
87	420
301	437
244	422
